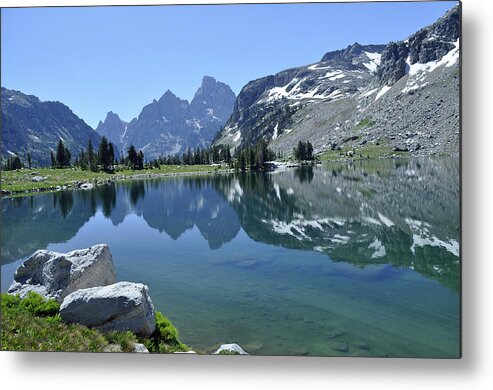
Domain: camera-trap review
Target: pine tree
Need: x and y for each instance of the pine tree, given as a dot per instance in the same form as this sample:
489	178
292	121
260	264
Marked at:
309	151
53	159
132	157
29	161
91	157
104	154
112	153
140	160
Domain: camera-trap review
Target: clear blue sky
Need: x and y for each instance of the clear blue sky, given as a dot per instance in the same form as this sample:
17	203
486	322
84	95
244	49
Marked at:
100	59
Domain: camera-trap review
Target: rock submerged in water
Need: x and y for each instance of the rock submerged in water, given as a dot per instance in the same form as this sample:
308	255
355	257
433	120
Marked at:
339	346
230	348
55	275
121	306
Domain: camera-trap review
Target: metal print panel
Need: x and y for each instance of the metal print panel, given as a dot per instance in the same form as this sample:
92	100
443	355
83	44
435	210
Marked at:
264	179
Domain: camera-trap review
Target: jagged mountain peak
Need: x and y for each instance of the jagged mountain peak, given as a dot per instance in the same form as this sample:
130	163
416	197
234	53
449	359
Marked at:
351	51
431	43
170	125
112	128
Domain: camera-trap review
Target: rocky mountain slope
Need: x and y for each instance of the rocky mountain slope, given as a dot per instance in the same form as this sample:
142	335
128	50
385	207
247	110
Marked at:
170	125
30	125
402	96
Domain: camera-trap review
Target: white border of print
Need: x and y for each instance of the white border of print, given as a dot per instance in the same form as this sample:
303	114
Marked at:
474	370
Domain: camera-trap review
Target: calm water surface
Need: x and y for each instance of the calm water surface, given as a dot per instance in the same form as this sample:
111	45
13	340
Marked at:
350	259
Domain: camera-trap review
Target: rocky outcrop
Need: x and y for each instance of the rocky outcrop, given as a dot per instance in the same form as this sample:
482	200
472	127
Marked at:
56	275
431	43
121	306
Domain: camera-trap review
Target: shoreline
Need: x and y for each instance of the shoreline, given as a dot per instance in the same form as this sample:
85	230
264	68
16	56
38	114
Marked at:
103	179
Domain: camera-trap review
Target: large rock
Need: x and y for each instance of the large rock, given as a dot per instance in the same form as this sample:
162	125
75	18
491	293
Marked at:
120	306
55	275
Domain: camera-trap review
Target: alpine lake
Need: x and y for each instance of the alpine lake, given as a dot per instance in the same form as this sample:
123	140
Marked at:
346	259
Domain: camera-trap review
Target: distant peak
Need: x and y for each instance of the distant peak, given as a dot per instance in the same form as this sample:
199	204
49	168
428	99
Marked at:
208	79
111	114
168	93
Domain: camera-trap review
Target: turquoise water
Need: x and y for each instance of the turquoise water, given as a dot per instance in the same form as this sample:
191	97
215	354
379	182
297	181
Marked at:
344	260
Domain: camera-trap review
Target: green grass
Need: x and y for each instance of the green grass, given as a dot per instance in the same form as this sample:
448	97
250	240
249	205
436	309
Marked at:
25	329
33	324
20	180
363	124
366	151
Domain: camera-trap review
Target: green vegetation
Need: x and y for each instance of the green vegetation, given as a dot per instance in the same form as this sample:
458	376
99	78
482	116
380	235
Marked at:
165	337
363	124
63	156
380	149
253	157
33	324
13	162
304	151
20	181
228	352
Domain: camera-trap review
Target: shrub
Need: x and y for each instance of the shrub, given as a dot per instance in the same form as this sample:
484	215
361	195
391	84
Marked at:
38	305
165	337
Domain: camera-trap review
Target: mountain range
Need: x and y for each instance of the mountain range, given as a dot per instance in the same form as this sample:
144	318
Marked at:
170	125
30	125
402	96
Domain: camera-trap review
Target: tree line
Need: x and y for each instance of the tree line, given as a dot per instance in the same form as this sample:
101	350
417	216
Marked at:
303	151
104	158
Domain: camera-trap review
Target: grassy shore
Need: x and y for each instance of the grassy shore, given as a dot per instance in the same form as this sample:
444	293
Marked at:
33	324
21	181
361	152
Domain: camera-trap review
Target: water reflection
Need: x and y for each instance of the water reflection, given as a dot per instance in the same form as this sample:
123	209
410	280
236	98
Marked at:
399	212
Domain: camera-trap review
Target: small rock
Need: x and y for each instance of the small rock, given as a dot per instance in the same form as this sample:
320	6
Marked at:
112	348
38	179
140	348
86	186
361	345
338	346
235	348
335	333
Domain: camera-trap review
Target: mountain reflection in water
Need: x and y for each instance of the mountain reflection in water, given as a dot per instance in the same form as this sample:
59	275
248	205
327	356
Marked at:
399	212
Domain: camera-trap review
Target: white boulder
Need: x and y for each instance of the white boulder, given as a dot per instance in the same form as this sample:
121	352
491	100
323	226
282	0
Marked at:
140	348
86	186
121	306
234	348
55	275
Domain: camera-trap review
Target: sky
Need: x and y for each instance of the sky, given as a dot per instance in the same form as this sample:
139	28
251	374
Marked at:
100	59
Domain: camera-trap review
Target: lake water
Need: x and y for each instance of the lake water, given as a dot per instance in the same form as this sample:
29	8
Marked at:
354	259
